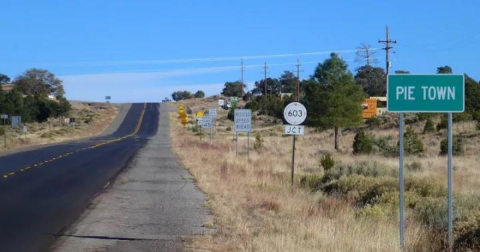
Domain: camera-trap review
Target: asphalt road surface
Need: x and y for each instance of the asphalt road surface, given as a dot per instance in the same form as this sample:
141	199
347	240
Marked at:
43	191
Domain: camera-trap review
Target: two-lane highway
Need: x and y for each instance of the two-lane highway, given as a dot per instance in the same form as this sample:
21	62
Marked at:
42	191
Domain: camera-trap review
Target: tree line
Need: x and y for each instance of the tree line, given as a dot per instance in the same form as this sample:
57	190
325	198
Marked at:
333	95
185	95
30	96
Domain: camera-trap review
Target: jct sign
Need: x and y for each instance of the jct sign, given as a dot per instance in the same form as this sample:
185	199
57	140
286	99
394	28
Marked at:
425	93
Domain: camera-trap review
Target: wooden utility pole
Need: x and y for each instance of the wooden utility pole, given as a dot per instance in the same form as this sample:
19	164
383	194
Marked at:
241	88
298	80
265	78
387	47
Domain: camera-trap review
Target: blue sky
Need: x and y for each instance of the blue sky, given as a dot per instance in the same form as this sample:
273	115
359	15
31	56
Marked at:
142	50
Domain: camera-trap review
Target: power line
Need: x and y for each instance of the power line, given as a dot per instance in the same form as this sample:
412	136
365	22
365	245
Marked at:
265	78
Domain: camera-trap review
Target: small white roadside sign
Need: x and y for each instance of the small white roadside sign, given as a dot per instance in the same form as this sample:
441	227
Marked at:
212	113
243	120
295	113
221	102
294	130
206	123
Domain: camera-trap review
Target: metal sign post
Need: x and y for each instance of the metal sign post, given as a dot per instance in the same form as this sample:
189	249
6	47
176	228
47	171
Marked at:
426	93
450	179
295	113
401	182
243	123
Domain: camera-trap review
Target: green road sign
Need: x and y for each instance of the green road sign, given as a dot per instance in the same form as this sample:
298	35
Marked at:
425	93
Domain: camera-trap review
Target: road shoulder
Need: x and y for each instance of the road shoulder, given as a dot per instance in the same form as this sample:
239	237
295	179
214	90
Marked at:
152	206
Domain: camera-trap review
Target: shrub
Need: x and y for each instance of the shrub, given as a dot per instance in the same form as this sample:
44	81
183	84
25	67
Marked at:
231	114
253	105
424	116
2	131
364	190
258	145
373	121
426	187
429	126
414	166
412	145
362	168
457	146
442	124
476	115
189	111
383	146
362	143
196	128
327	162
311	181
432	212
228	128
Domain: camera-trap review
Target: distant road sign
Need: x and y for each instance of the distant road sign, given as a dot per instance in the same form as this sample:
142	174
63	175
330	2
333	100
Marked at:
221	102
294	130
199	114
243	120
16	121
3	116
295	113
206	123
108	97
425	93
212	112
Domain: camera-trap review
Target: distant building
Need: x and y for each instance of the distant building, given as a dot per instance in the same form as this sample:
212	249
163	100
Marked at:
374	106
8	87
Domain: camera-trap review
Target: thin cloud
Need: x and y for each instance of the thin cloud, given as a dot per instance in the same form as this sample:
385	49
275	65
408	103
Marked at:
194	60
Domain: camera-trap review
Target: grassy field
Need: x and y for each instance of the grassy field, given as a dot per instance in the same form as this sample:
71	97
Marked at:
351	207
91	120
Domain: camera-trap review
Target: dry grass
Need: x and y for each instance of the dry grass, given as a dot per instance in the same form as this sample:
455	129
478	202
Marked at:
256	209
91	120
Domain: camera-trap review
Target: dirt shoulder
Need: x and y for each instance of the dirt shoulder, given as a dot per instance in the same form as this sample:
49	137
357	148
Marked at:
91	120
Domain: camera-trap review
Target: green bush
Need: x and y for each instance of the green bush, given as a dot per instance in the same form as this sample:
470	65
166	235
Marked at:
196	128
258	145
364	190
424	116
311	181
327	162
476	115
373	121
429	126
231	114
253	105
362	143
414	166
442	124
412	145
433	212
228	128
457	146
384	146
362	168
426	187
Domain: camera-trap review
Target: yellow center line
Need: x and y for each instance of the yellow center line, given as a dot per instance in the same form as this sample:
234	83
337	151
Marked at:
137	129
